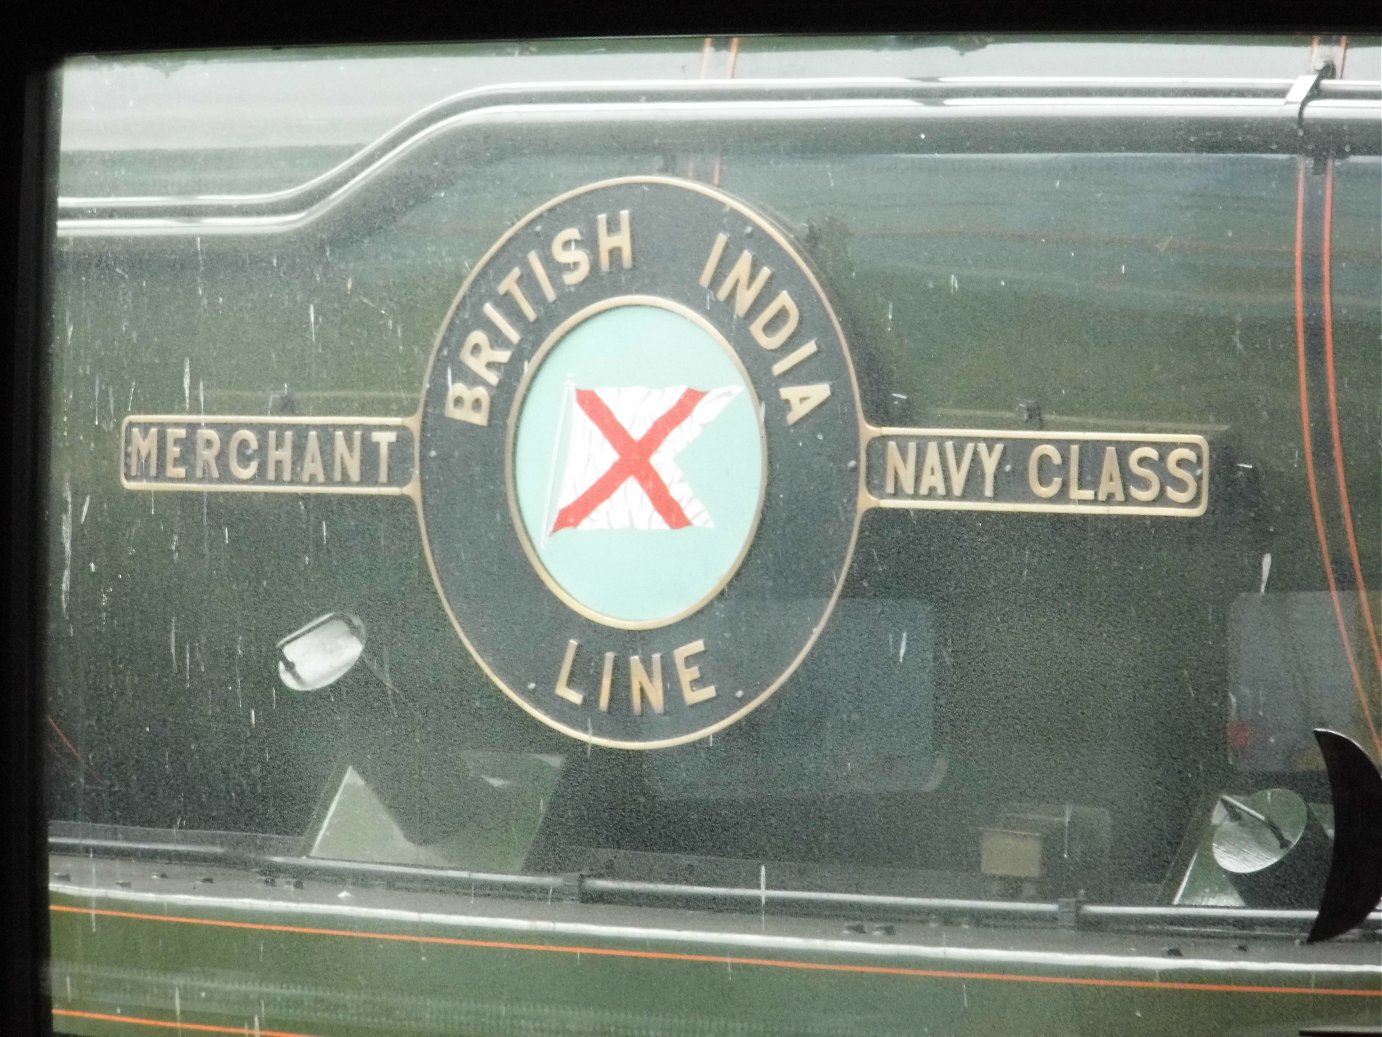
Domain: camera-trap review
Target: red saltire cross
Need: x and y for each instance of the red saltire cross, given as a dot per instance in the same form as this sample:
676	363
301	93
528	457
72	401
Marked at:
633	461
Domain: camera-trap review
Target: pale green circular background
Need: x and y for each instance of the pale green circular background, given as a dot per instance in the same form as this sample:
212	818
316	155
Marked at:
630	576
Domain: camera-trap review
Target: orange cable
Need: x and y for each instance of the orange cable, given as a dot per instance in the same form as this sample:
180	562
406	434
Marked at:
1339	466
729	74
1310	463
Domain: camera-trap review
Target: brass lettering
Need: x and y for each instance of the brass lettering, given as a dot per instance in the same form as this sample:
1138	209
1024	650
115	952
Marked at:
385	442
509	287
280	456
468	405
897	470
1076	491
1111	479
738	282
793	358
208	446
781	306
1152	487
477	354
172	453
687	674
563	688
346	460
312	459
641	685
143	447
1176	461
565	252
1067	470
540	272
239	469
713	261
497	319
606	681
803	399
932	479
989	463
959	474
622	241
1040	452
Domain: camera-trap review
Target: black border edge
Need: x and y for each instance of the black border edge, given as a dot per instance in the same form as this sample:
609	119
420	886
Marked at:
30	139
68	27
28	135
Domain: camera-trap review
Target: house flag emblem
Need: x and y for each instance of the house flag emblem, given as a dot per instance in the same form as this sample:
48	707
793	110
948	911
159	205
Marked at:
639	461
621	468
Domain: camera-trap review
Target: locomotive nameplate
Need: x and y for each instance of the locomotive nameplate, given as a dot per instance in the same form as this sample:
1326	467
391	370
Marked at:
640	462
267	455
1098	473
642	445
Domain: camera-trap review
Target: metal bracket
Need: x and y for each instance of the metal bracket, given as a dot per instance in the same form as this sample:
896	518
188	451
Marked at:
1326	59
1068	912
1302	91
1328	52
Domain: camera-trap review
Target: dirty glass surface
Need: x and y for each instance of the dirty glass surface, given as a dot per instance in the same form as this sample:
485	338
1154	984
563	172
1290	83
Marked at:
945	654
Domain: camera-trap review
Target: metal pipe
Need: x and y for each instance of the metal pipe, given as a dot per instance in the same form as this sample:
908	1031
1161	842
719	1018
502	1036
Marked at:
804	898
585	888
783	117
450	877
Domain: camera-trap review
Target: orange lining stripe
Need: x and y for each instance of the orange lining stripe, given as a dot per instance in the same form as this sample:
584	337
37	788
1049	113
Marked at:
705	63
1344	504
720	959
243	1031
1310	463
68	742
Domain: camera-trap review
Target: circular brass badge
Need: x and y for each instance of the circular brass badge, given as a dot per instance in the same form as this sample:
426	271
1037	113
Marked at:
640	459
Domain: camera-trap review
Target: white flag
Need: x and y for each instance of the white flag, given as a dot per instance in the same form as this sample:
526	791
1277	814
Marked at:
590	456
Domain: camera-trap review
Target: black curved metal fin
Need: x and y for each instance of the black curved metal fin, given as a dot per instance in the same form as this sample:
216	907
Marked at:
1354	885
